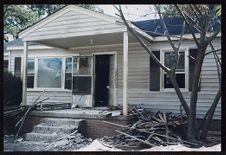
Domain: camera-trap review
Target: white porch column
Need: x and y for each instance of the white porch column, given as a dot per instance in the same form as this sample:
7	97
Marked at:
24	98
125	73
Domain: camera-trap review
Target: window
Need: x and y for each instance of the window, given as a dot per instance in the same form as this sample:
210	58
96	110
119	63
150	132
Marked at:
17	67
30	73
180	70
154	73
68	73
159	80
82	75
49	73
6	64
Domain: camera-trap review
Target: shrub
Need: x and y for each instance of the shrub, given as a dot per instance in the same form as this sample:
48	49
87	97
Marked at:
12	89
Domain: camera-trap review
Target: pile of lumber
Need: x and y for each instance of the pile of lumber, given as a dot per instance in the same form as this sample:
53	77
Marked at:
155	129
12	111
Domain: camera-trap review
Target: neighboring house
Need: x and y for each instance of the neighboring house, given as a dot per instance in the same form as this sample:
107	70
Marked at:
79	55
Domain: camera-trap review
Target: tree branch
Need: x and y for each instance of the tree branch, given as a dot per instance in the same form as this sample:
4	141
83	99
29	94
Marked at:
212	51
166	69
189	26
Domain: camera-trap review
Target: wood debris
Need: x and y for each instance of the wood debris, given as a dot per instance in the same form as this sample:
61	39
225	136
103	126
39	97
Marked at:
151	129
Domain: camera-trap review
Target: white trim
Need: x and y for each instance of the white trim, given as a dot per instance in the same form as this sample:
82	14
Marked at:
186	65
114	53
31	47
48	89
104	46
125	73
36	74
177	37
74	34
141	31
24	77
186	70
63	73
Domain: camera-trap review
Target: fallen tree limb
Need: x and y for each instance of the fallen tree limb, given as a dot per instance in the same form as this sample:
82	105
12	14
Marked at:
138	139
28	110
168	137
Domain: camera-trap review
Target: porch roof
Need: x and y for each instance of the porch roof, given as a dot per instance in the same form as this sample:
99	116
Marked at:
73	26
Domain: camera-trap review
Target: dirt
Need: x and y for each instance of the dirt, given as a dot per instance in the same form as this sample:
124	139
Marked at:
68	143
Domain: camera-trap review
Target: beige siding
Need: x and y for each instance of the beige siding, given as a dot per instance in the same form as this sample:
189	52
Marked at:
56	97
73	23
138	80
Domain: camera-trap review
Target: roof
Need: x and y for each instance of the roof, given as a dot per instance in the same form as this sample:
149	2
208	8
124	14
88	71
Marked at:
14	43
173	24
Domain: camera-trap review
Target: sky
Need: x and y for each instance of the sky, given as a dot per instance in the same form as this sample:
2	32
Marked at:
131	12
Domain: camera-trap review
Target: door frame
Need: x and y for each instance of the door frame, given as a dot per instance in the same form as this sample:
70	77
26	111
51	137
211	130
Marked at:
114	53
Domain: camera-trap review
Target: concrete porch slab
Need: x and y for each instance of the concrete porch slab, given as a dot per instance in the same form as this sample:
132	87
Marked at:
78	113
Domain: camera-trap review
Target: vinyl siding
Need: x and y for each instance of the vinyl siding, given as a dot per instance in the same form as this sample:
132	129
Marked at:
138	79
72	23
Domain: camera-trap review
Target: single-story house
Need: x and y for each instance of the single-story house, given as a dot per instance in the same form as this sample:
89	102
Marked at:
90	59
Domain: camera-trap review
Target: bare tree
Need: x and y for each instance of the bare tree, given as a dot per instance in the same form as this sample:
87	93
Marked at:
202	20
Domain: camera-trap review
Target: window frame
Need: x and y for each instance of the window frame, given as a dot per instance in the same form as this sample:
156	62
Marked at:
186	68
31	74
83	75
62	76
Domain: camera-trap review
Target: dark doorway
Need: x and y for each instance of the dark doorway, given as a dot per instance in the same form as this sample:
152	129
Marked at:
102	65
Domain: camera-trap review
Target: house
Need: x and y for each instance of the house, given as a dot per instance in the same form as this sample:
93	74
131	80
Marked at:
88	59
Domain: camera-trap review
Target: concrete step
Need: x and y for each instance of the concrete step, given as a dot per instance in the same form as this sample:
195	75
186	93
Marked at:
41	137
46	128
61	121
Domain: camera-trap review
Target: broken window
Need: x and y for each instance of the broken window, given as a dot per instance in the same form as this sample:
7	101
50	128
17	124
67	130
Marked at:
68	73
17	67
82	75
180	69
49	73
30	73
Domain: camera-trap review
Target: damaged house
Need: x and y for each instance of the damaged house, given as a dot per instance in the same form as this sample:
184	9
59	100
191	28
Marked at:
87	59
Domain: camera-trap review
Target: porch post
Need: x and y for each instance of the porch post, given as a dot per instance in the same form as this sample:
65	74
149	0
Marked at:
24	98
125	73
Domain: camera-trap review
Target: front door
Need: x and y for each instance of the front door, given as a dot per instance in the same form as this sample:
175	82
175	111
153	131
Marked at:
102	85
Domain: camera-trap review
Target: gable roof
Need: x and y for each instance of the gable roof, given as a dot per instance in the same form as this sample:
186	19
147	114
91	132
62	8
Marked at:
173	24
61	13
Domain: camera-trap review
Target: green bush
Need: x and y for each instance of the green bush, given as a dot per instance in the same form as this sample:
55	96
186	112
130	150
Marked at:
12	89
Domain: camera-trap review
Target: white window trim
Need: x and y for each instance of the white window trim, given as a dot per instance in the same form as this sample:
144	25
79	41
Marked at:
186	65
36	88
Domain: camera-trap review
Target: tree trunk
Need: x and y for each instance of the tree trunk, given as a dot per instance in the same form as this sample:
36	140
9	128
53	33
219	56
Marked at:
193	132
210	115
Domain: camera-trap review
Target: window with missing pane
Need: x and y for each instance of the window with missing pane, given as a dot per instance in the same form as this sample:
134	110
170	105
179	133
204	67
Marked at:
82	75
180	69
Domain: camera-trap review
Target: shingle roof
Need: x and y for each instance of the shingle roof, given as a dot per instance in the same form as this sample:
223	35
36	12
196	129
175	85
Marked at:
173	24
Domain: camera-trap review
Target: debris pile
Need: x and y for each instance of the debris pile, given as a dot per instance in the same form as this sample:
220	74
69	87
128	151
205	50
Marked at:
153	129
69	142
